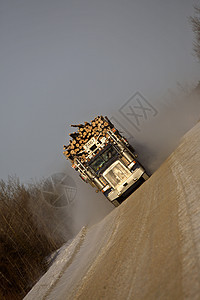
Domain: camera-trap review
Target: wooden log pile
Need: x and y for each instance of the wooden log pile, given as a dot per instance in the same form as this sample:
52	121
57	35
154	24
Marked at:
97	128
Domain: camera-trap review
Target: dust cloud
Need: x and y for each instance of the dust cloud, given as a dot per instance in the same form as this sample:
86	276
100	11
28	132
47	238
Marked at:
159	136
88	207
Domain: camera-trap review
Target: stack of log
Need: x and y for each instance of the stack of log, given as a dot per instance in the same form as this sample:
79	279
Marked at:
97	128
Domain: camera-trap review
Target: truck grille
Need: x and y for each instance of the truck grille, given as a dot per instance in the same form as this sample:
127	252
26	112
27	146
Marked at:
117	174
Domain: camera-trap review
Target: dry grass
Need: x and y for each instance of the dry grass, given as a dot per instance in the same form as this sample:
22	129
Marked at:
30	230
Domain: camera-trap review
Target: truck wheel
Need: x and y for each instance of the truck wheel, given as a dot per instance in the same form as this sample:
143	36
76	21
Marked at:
145	176
115	203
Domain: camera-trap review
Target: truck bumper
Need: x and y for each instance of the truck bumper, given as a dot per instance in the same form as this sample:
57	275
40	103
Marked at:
127	187
128	192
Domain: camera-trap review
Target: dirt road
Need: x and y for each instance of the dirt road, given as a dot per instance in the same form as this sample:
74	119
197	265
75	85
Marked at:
147	248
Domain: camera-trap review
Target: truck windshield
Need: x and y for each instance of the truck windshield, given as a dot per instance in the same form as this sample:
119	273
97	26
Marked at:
103	158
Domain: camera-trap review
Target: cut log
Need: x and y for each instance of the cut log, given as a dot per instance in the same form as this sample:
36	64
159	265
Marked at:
73	135
88	129
78	125
100	127
72	142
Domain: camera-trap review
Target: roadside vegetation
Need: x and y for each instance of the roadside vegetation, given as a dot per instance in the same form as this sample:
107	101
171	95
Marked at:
30	230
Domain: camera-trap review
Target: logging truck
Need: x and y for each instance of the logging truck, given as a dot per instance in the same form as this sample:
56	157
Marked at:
105	159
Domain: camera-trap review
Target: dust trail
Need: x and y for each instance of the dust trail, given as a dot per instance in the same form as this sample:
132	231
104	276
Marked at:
159	136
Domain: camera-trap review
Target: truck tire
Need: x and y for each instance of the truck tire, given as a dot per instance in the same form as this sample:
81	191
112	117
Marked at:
145	176
115	203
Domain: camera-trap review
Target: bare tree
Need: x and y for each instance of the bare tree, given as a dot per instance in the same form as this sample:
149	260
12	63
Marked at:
196	29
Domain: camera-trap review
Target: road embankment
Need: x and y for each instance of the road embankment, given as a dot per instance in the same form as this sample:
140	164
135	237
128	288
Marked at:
147	248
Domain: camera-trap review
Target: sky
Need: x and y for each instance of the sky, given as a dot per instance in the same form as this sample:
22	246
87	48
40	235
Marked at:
64	62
